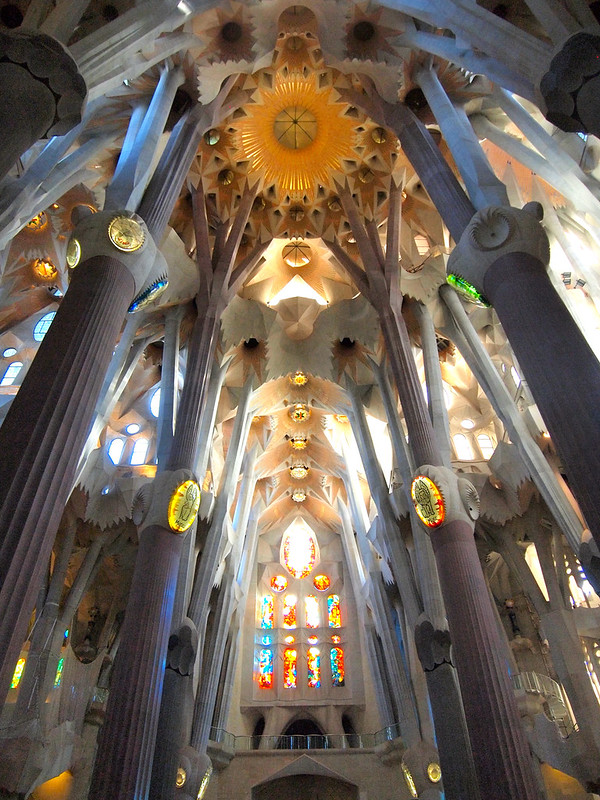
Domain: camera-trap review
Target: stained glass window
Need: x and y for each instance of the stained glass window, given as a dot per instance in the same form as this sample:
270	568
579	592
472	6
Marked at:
42	326
16	678
313	639
59	671
333	611
266	612
289	611
337	666
299	551
279	583
289	668
265	669
321	582
11	373
314	667
313	617
140	450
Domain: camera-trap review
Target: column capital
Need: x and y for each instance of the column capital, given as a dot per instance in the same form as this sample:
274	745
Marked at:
441	497
170	501
31	55
493	233
124	236
571	87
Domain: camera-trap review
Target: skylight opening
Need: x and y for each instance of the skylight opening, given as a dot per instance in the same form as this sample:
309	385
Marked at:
297	287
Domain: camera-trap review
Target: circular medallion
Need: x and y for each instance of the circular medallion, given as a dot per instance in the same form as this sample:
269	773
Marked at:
428	501
126	234
183	506
299	412
73	252
299	471
434	772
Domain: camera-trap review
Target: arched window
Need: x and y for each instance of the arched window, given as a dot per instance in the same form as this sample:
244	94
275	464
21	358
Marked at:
155	403
115	450
11	373
486	445
42	325
140	450
464	451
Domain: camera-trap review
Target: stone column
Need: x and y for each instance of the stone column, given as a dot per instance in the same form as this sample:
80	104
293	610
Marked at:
500	749
504	254
49	420
42	92
483	187
126	742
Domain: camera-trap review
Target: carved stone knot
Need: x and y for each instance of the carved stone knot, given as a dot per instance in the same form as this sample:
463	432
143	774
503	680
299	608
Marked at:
46	61
571	87
433	646
495	232
183	644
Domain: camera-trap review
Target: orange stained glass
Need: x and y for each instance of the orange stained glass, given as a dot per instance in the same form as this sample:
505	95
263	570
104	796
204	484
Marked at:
313	640
266	612
321	582
333	611
314	667
289	611
265	669
336	639
313	617
290	671
279	583
289	639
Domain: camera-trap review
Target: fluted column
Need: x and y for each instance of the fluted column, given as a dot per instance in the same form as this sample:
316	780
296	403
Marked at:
126	742
44	433
500	749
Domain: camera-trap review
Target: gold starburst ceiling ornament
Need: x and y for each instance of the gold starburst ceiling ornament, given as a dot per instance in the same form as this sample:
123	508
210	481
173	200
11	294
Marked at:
296	132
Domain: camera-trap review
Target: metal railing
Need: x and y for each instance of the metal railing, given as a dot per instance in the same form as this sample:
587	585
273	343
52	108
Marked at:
555	706
313	741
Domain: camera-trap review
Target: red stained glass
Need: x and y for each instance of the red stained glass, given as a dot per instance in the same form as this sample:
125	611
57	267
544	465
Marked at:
337	666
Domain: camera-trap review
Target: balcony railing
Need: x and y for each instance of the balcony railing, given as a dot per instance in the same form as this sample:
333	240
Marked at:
314	741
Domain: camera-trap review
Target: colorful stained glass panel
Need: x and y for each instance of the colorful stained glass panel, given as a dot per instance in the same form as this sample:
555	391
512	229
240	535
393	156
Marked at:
333	611
299	551
314	667
266	612
289	668
265	669
337	666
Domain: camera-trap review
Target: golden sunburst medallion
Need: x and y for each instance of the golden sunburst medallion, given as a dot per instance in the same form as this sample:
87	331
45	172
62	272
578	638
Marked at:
296	133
